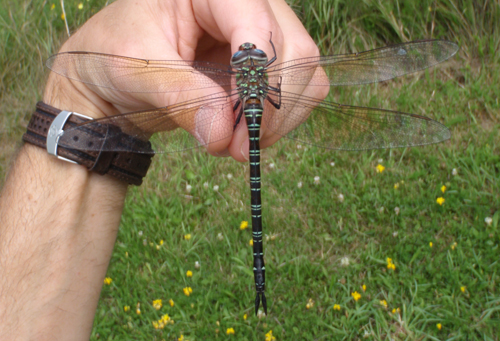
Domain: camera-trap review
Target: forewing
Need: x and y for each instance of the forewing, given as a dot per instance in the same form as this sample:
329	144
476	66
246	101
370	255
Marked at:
138	75
365	67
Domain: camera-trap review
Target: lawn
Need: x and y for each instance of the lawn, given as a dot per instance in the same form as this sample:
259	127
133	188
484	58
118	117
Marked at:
353	250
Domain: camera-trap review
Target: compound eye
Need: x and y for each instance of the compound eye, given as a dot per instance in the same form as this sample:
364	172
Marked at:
239	57
259	54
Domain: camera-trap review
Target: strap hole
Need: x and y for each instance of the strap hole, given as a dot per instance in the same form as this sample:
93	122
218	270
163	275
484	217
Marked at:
75	138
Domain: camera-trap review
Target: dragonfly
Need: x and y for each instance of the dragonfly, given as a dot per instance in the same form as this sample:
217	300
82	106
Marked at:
254	89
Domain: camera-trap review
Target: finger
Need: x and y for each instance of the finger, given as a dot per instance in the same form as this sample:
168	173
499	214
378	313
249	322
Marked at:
297	44
238	22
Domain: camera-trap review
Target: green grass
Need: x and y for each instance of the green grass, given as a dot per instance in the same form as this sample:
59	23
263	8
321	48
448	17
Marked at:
312	234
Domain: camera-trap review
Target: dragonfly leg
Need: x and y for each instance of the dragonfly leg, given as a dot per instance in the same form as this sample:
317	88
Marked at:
274	50
240	114
278	90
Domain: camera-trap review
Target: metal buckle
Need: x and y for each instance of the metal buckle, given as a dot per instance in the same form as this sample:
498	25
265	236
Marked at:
56	131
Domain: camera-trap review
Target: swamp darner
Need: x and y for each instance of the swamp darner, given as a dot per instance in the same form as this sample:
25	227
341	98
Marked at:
259	97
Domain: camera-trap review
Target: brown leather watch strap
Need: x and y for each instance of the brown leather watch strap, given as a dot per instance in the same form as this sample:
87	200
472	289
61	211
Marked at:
127	166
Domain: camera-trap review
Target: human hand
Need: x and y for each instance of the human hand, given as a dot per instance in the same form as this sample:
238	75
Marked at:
209	30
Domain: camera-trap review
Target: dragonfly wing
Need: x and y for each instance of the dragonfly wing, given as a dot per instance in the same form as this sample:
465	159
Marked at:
186	125
138	75
365	67
335	126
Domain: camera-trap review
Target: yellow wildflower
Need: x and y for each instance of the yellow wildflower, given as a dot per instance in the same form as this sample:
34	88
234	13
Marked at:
356	295
243	225
187	236
396	310
157	304
181	338
440	200
251	242
336	307
80	6
310	304
245	317
390	264
187	291
462	288
126	308
171	302
396	185
430	244
62	16
443	188
230	331
384	303
52	6
162	322
161	242
380	168
439	326
108	280
269	336
364	287
453	246
189	273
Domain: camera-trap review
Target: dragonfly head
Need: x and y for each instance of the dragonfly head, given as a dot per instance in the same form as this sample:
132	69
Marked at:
248	54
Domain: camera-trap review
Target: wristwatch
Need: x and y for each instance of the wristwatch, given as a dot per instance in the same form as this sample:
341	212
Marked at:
47	124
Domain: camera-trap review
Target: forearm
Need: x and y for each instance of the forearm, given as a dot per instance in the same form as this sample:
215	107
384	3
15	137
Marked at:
58	225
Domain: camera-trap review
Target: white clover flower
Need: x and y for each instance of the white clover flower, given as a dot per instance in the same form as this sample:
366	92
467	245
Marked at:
216	188
381	209
454	172
205	185
332	163
380	160
260	315
299	184
196	265
396	210
229	176
140	233
188	188
220	236
344	261
395	234
271	165
299	146
341	197
488	221
316	180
